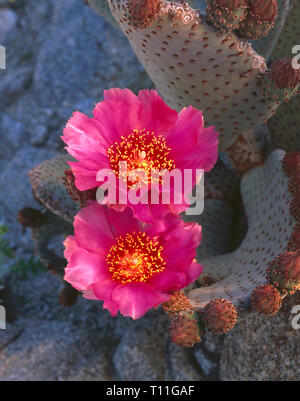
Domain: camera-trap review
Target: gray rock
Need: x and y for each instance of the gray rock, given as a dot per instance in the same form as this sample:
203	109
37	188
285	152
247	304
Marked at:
10	334
16	191
141	355
13	83
181	365
14	132
5	3
51	350
40	135
14	179
207	354
263	349
206	364
8	21
88	57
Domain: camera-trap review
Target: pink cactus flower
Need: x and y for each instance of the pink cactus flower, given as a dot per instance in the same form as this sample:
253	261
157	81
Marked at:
130	265
146	134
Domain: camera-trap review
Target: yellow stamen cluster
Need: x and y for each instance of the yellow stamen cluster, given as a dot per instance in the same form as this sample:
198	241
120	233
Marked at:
135	258
141	150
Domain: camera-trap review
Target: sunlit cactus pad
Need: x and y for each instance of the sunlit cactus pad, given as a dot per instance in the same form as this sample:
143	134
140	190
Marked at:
266	199
47	181
191	63
285	125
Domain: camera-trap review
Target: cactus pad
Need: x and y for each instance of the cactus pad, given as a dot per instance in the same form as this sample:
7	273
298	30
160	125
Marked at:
47	181
192	64
265	196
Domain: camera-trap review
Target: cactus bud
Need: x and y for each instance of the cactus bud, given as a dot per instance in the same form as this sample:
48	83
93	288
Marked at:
142	12
68	296
184	329
80	197
291	163
177	303
284	75
266	299
219	316
284	272
267	10
281	82
260	19
31	218
226	14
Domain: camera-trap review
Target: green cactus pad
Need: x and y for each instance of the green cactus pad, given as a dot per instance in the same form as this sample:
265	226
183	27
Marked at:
191	64
48	186
289	35
266	198
285	126
249	150
266	45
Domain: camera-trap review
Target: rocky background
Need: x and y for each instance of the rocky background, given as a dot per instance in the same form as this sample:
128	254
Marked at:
60	57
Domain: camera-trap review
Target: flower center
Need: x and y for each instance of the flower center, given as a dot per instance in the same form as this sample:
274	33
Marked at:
135	258
141	150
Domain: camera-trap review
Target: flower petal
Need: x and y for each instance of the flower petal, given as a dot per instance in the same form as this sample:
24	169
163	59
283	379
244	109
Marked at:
84	268
103	291
158	117
119	114
136	299
92	228
168	281
184	135
85	178
204	154
122	223
70	245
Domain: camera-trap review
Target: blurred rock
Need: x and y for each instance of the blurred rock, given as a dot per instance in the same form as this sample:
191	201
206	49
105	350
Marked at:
208	367
141	355
88	57
263	349
10	334
181	364
12	84
51	350
8	21
16	192
40	135
13	132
